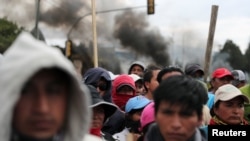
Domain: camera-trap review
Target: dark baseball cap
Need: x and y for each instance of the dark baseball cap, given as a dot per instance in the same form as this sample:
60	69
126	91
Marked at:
190	69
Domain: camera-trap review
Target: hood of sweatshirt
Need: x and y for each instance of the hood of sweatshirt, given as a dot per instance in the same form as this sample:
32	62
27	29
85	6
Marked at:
120	99
24	58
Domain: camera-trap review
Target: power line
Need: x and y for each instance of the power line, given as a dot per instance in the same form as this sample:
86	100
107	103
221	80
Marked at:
99	12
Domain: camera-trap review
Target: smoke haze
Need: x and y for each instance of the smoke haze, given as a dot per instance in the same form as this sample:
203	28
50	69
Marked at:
132	29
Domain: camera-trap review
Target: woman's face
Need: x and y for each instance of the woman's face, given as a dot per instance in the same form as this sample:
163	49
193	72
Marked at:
98	117
232	111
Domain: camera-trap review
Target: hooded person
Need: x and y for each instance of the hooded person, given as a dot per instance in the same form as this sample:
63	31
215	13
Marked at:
102	111
116	122
123	89
41	96
99	78
137	67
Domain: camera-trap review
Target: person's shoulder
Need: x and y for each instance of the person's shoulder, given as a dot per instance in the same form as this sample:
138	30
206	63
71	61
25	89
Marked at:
153	133
89	137
107	136
245	90
121	136
204	131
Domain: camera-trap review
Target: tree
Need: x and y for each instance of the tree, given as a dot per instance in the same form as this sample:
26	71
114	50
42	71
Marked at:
8	33
236	59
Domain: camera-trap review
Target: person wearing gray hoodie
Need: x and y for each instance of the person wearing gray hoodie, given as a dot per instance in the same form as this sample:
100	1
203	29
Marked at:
41	97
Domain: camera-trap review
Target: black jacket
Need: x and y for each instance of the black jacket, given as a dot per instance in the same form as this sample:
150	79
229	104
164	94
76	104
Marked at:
154	134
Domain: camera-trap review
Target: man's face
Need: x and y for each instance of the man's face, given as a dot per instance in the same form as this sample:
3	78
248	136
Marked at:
176	123
40	111
153	84
217	82
137	70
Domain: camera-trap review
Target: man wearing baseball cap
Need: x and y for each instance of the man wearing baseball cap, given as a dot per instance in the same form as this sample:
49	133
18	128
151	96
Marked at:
220	77
195	71
239	78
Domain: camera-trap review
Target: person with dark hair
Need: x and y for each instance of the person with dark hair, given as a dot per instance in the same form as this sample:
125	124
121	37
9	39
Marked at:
178	108
140	90
221	76
176	70
195	71
150	80
133	110
42	98
169	71
228	106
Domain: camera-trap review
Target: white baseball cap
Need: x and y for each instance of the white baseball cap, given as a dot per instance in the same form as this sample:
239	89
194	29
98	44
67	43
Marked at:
135	77
227	92
112	75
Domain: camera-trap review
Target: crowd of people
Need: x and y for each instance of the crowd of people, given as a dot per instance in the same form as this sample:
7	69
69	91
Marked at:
44	100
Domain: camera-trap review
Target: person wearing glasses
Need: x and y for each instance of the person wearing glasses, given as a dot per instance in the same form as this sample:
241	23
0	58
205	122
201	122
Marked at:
99	77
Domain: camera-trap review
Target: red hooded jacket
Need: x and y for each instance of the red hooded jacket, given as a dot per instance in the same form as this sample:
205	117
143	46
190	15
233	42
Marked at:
119	99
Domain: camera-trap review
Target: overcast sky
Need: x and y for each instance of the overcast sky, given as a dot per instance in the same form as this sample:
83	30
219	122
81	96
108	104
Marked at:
184	21
174	17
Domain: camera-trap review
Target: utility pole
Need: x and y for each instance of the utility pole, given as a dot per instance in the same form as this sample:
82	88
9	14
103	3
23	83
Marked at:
210	40
36	31
37	18
94	34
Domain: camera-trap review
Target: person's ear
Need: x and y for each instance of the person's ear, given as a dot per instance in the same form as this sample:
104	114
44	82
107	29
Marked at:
146	84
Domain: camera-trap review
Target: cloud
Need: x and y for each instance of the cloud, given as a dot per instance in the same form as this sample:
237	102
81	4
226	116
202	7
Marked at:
235	29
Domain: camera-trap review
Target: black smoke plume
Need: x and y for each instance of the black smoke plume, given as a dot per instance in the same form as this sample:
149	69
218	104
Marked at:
64	14
132	29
